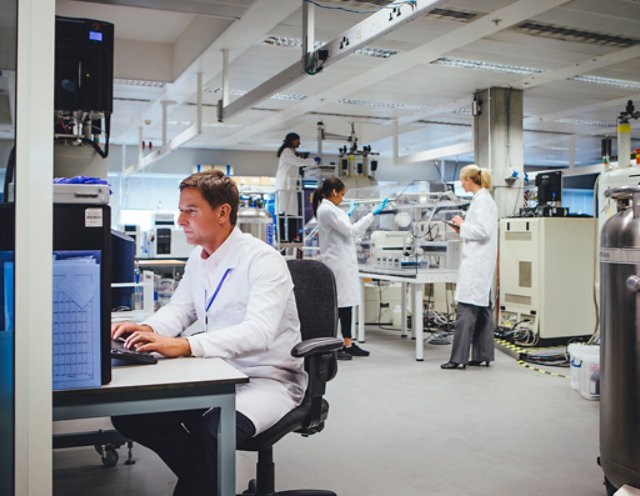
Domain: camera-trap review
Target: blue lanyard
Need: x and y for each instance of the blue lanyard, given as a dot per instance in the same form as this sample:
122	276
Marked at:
215	293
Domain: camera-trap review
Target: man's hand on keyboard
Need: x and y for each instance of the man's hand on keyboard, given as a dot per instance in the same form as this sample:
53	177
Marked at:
165	345
123	329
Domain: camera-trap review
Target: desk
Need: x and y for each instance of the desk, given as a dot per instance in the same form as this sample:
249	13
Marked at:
416	282
172	384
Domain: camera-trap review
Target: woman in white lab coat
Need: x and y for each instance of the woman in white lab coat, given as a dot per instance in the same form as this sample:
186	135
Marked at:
475	324
336	236
289	163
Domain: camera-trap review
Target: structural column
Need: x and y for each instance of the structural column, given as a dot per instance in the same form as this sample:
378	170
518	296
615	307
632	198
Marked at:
497	143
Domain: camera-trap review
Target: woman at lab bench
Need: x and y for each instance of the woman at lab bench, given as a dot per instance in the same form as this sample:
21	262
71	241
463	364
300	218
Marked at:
289	163
336	236
479	232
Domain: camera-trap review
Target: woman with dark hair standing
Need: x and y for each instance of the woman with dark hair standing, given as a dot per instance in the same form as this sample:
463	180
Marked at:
289	163
336	236
475	325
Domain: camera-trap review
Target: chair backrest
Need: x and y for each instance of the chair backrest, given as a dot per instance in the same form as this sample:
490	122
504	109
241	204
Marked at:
315	292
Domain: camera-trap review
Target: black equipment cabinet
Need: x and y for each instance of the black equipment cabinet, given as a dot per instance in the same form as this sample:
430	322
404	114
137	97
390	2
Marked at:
75	228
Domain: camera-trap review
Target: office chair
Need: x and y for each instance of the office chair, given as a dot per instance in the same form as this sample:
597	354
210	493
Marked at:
315	293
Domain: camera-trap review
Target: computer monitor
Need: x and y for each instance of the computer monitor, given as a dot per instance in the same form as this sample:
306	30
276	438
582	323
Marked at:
123	251
549	186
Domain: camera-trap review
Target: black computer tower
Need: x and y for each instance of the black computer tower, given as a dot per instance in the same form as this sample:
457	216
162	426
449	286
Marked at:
75	227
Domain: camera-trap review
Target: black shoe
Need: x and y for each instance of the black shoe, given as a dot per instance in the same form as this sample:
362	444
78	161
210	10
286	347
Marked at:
355	350
478	363
452	365
344	355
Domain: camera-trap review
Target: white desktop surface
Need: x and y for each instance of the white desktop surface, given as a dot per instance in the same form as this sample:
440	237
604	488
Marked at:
175	372
172	384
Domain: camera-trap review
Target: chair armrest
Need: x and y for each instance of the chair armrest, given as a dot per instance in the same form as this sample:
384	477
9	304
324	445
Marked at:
321	365
316	345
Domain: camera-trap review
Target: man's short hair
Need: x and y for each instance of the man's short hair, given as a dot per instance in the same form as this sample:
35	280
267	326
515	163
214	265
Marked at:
216	188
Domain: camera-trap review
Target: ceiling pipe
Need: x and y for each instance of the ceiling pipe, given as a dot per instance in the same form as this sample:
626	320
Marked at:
173	144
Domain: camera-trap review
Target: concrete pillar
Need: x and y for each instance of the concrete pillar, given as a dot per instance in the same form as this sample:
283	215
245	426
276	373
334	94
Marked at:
497	143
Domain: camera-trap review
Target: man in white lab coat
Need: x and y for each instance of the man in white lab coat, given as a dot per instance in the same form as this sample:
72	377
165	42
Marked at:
475	324
240	291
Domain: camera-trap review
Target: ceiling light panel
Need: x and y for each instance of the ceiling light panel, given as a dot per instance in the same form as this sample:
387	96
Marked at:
603	81
139	83
379	104
586	123
452	15
575	35
486	66
277	96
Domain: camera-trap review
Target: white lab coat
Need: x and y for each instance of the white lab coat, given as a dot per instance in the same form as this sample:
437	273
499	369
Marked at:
286	177
336	236
479	233
252	323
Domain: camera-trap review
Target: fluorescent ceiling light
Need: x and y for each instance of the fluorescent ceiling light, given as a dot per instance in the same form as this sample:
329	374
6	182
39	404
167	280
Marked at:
585	122
288	96
375	52
204	124
232	91
462	110
603	81
577	35
139	82
277	96
485	66
220	124
391	105
454	15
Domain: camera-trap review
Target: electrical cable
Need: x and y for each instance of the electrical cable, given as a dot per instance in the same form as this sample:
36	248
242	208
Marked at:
104	153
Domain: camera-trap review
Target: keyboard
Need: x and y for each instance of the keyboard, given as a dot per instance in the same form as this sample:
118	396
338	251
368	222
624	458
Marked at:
119	352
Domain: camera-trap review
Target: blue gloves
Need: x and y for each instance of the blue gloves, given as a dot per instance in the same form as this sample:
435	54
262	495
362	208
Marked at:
352	207
317	159
380	206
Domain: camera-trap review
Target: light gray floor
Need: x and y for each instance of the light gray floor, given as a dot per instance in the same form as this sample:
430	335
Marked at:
401	427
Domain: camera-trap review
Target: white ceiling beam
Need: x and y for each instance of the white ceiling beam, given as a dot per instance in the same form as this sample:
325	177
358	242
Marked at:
258	20
436	153
373	27
580	68
475	30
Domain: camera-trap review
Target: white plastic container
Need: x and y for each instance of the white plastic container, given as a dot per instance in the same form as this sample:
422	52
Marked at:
575	361
590	373
585	369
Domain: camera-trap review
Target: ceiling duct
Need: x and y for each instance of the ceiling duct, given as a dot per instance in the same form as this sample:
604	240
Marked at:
572	34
